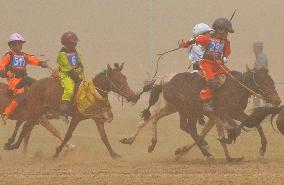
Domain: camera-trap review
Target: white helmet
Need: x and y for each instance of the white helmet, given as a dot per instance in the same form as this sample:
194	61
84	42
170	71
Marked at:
200	29
16	37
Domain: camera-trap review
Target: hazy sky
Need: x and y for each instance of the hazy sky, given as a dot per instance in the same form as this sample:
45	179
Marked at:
133	31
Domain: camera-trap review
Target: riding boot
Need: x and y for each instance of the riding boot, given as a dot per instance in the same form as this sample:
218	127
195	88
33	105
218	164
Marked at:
9	110
208	106
64	110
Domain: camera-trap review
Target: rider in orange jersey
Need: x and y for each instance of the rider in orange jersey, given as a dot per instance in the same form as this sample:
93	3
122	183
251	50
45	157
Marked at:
217	51
13	67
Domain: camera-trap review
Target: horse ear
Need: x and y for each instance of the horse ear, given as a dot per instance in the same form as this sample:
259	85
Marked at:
121	66
247	67
116	65
109	68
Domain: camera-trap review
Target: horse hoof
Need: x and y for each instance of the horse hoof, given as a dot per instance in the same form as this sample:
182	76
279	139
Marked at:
11	140
7	146
150	149
261	152
115	156
71	147
128	141
237	159
178	151
55	156
210	158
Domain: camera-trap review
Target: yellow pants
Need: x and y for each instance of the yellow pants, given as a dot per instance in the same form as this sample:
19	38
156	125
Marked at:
68	86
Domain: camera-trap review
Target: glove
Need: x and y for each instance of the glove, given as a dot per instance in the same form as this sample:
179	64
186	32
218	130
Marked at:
183	44
225	60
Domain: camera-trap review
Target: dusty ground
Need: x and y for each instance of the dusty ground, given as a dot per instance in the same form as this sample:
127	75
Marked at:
90	163
133	31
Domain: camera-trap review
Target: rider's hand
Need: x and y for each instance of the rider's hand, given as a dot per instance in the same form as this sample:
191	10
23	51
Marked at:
43	64
220	62
225	60
9	74
183	44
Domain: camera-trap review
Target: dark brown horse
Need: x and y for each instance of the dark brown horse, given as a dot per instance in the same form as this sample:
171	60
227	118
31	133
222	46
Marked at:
181	94
20	116
260	113
50	98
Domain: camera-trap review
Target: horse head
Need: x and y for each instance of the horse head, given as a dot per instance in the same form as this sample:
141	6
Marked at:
261	82
114	80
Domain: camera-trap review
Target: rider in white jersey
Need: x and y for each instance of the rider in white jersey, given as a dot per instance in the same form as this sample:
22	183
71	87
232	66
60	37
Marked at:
196	51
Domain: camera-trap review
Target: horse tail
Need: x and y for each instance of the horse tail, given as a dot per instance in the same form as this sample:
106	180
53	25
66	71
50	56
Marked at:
259	114
147	87
154	97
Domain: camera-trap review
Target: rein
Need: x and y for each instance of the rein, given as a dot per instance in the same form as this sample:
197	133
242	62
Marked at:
113	86
242	84
160	57
256	84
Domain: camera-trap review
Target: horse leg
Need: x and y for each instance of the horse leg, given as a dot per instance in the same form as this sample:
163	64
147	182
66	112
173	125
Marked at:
12	138
26	142
262	149
27	128
184	127
183	150
131	139
101	129
154	138
46	124
221	135
242	117
155	110
72	126
167	110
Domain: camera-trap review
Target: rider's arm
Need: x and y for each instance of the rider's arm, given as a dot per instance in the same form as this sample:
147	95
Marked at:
35	61
227	49
5	61
186	44
203	40
32	60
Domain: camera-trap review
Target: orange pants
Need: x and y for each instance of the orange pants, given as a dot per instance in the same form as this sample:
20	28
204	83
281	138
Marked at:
12	82
211	69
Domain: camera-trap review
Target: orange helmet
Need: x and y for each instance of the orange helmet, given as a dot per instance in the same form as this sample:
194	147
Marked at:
69	37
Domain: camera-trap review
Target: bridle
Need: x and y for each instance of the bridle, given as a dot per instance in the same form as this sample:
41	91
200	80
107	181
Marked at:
257	84
113	86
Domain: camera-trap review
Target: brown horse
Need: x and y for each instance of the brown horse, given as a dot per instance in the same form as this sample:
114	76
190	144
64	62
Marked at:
50	98
20	116
181	94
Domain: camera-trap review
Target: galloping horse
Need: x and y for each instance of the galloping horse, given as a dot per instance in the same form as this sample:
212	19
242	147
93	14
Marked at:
181	94
20	116
50	95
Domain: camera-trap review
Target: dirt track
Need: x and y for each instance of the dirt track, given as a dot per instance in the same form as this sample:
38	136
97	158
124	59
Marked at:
90	163
133	32
151	172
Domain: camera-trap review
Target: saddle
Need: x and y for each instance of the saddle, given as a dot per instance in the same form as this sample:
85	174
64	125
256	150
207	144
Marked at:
88	100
